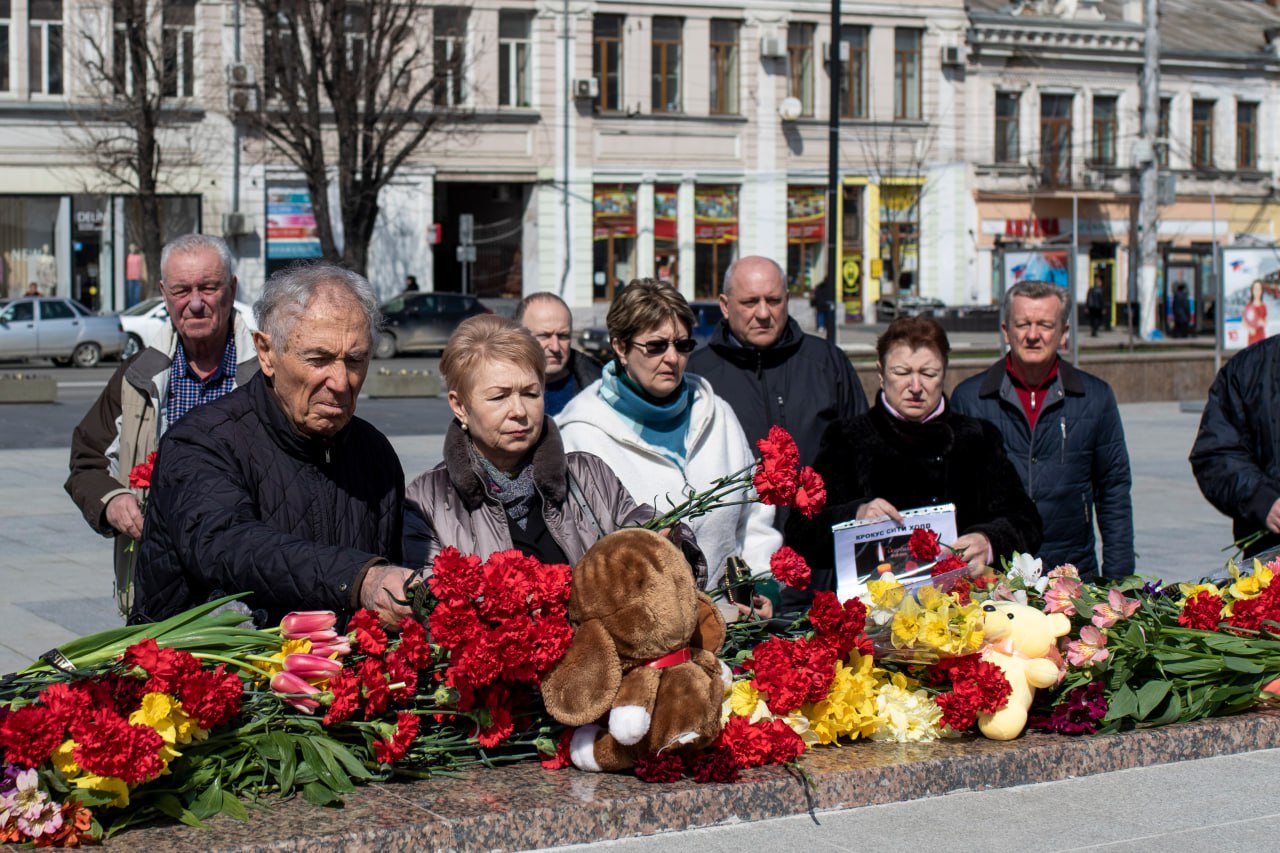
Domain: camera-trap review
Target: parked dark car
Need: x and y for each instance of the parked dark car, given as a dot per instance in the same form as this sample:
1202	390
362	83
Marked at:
417	322
594	340
59	329
890	308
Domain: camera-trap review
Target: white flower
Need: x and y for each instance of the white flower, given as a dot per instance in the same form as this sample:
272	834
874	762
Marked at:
1028	569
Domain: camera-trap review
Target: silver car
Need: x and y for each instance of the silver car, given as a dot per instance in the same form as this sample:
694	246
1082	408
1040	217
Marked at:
59	329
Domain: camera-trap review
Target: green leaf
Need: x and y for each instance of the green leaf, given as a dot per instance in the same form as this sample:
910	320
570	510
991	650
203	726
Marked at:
341	781
1124	703
349	762
1237	664
233	808
288	762
311	757
209	803
319	794
1172	712
173	807
1150	695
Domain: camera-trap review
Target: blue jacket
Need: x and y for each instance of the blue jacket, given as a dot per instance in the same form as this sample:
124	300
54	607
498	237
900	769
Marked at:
1076	464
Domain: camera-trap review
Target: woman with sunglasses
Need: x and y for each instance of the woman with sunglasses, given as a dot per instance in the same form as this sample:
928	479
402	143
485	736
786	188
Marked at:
664	432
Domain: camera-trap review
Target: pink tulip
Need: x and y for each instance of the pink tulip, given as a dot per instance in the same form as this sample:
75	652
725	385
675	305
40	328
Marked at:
339	647
311	666
289	683
301	624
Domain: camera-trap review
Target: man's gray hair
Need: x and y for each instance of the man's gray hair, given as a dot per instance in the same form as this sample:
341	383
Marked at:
199	243
1038	290
288	292
733	267
540	296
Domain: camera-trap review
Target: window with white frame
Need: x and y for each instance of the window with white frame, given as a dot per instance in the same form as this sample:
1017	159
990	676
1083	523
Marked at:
667	34
44	47
355	33
450	39
724	67
515	40
123	28
800	65
5	12
178	49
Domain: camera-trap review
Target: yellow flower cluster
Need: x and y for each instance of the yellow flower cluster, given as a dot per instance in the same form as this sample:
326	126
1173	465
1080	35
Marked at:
908	714
1242	586
929	620
850	707
160	711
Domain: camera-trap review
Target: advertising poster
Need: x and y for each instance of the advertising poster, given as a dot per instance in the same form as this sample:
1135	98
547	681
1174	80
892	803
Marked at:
715	211
1032	265
291	224
1250	295
806	214
864	549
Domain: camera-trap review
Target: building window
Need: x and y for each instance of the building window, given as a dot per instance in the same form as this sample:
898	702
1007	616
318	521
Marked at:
906	73
606	61
613	222
1007	127
724	67
5	12
1246	135
450	44
666	65
1162	133
1055	139
1104	130
514	43
177	48
1202	134
44	48
355	32
121	64
715	237
853	80
800	66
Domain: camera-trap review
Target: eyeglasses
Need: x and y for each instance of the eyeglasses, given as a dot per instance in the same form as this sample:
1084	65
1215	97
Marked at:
208	290
684	346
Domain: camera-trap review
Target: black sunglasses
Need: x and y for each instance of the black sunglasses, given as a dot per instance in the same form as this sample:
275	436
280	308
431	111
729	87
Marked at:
656	348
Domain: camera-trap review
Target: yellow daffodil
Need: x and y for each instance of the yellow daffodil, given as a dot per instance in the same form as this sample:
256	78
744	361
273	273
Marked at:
932	598
886	595
1189	590
108	785
65	761
1249	586
935	633
906	624
744	700
909	715
164	713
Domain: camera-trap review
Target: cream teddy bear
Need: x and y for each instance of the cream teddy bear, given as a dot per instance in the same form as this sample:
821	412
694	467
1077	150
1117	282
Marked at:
1018	637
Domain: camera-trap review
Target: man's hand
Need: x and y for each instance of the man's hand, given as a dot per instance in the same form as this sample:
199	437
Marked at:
125	515
1273	517
878	508
761	608
973	548
381	584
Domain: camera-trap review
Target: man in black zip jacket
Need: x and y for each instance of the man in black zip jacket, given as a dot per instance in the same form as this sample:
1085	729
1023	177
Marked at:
770	371
1062	430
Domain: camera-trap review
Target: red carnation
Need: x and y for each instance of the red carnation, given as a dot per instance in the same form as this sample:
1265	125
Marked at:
373	678
1203	611
67	703
923	545
454	576
370	636
140	476
402	672
784	744
746	743
812	494
978	687
659	767
30	734
790	568
389	752
498	729
948	563
167	667
775	476
414	646
109	745
714	766
345	687
212	697
561	757
773	663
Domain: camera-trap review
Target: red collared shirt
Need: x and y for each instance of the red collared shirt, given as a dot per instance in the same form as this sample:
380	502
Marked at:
1031	397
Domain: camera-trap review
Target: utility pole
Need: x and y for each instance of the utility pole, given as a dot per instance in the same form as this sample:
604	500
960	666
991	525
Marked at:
833	173
1148	189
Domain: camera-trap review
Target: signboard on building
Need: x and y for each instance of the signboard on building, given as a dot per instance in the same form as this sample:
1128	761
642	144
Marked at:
806	214
291	223
1250	295
1031	265
715	211
613	212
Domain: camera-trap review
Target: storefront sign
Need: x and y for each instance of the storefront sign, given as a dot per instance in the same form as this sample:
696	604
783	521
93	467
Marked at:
613	212
715	211
1032	227
806	214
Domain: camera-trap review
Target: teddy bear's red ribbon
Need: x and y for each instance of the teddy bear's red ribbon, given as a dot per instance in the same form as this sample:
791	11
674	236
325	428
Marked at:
678	656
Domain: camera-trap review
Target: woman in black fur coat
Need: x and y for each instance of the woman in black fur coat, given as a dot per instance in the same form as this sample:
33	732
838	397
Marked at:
912	451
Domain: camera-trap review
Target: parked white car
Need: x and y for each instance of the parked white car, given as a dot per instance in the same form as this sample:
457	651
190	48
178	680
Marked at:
59	329
147	321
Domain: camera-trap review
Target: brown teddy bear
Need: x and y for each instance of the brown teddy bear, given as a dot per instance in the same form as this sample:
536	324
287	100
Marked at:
643	651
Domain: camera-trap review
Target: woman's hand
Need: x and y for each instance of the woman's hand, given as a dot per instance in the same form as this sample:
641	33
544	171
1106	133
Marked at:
878	508
761	608
974	549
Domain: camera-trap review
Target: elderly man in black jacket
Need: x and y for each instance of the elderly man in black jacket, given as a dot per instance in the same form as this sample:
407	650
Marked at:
770	371
277	489
1236	456
1062	430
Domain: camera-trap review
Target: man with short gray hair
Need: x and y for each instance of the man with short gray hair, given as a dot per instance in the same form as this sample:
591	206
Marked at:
278	490
206	351
1062	429
549	320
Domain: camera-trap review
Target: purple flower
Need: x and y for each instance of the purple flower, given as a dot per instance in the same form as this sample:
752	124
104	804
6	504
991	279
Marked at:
1079	713
8	779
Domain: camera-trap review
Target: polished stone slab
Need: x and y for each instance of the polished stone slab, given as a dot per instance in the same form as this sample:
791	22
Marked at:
522	806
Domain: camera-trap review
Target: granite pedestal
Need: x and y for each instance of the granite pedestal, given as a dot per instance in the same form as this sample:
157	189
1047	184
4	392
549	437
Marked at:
522	806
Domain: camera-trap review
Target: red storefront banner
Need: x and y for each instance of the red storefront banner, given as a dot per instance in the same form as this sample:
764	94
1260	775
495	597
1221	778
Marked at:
715	212
806	214
664	213
613	212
